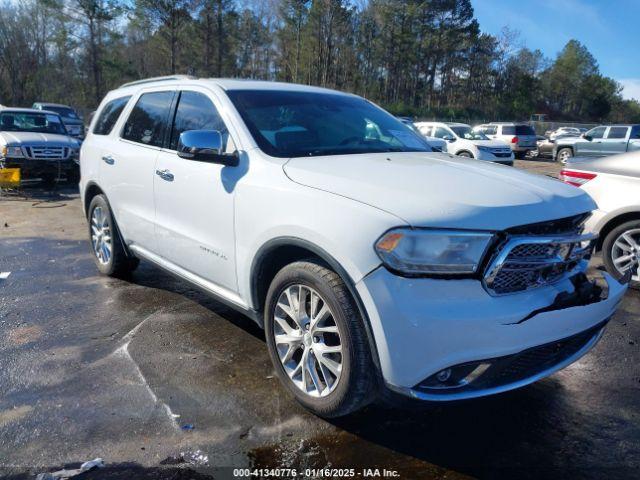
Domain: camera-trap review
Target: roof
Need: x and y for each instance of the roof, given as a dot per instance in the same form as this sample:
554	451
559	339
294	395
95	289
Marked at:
25	110
448	124
47	104
226	84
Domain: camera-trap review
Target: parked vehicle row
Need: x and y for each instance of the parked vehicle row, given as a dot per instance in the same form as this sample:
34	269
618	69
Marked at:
373	263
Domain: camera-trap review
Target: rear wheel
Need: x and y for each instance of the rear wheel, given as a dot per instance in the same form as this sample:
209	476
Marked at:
520	155
108	250
317	341
465	154
621	251
564	154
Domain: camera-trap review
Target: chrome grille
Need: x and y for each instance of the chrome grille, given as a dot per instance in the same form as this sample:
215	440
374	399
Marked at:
47	153
526	262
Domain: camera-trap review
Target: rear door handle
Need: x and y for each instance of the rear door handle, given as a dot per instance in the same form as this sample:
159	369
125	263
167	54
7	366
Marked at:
108	159
165	175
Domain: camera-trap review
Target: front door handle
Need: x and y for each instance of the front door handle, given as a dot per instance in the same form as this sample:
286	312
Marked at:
165	175
108	159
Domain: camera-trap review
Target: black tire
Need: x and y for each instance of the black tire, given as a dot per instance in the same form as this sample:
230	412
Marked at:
520	155
465	154
562	152
120	264
356	385
608	245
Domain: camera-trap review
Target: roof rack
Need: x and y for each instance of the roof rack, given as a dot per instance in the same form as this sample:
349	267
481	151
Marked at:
158	79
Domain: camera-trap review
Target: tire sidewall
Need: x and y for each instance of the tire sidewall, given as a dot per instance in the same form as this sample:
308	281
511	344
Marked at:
293	276
607	246
570	154
101	201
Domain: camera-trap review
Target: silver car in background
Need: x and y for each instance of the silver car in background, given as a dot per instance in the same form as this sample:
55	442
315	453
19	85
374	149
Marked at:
614	183
521	137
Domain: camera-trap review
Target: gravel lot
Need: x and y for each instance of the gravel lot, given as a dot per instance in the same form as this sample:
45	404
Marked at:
162	382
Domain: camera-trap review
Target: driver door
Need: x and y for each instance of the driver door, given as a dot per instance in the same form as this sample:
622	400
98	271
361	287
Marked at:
194	207
593	147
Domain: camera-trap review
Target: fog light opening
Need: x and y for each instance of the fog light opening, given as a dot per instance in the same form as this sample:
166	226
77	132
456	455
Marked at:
443	375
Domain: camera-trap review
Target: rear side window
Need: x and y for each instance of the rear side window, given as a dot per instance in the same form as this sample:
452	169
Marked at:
196	112
618	132
147	122
508	130
109	115
525	130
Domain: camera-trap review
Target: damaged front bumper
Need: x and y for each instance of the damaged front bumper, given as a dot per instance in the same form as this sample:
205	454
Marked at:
442	340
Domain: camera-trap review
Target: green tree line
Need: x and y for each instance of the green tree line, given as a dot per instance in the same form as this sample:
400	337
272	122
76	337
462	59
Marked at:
424	58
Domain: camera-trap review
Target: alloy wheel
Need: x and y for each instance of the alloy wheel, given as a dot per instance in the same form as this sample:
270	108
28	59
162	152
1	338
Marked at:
101	235
308	340
625	252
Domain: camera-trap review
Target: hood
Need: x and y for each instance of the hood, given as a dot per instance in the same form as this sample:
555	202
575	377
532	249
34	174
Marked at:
440	190
490	143
34	138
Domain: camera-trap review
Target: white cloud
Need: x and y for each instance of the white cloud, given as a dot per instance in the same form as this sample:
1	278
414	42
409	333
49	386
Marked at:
631	88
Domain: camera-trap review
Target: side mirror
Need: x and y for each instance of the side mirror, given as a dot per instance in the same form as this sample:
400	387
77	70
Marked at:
449	138
587	137
205	146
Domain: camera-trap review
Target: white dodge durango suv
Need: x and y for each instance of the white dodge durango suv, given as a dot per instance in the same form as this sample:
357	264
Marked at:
373	264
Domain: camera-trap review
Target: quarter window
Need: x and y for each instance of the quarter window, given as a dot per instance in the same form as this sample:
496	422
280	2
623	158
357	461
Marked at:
147	122
618	132
109	115
196	112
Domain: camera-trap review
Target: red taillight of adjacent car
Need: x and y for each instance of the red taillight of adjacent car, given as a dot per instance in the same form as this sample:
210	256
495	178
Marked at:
576	179
514	140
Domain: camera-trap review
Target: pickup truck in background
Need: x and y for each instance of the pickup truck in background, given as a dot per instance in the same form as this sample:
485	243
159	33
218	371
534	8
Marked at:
600	141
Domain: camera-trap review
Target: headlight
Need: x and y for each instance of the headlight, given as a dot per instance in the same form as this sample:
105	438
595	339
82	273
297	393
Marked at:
425	251
484	149
12	152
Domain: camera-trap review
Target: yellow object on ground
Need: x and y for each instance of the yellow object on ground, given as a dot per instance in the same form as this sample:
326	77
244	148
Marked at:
9	177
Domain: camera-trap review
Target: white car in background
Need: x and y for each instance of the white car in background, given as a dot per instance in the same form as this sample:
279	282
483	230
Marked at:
614	183
437	144
464	142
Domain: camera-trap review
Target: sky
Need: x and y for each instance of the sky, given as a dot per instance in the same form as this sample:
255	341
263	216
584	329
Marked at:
609	28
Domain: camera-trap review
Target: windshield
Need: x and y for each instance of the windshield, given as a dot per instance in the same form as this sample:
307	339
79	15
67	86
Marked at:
31	122
63	111
296	124
468	134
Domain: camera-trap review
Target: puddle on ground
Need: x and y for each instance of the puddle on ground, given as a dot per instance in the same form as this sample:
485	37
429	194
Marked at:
344	450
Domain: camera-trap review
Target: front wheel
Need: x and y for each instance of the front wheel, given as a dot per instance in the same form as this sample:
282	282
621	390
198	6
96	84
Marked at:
317	340
621	251
465	154
564	154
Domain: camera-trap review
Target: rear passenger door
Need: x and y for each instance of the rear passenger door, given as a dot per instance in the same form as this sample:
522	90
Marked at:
128	163
194	199
616	141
